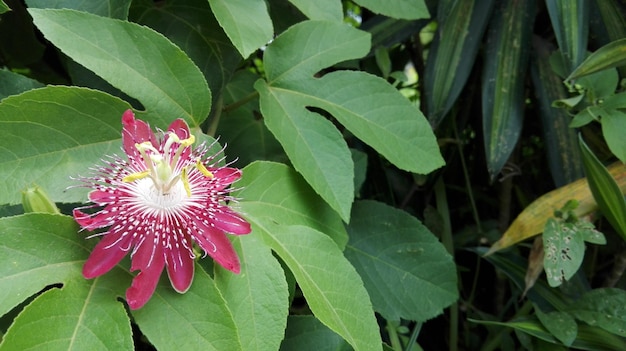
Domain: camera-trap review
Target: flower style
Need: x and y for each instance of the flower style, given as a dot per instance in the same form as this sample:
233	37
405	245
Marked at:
156	204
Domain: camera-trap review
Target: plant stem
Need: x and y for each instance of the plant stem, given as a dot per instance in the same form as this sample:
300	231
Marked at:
393	336
235	105
446	240
414	334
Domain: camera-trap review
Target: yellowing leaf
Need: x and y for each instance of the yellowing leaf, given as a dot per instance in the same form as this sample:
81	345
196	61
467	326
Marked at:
532	220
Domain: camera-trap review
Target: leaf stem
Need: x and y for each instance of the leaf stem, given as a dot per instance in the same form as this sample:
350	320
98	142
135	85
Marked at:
393	335
237	104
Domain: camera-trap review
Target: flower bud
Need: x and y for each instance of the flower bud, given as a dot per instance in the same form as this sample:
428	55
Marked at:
35	199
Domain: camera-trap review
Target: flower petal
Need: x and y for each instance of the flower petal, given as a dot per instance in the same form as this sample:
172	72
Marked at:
104	256
149	259
180	128
135	131
225	176
216	244
180	269
230	222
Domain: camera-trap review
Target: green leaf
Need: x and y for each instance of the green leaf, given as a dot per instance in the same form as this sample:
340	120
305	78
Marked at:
559	324
44	249
613	127
333	289
13	83
560	140
190	25
196	320
397	8
51	134
272	192
137	60
257	297
109	8
508	45
588	338
570	21
307	333
452	53
564	249
3	7
330	10
83	315
605	190
246	22
604	308
608	56
366	105
314	146
390	247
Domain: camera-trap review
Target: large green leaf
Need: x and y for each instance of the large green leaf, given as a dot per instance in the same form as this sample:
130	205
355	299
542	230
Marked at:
390	247
605	190
608	56
330	10
246	22
137	60
560	140
613	127
366	105
306	333
289	216
190	25
109	8
604	308
570	20
452	54
257	297
397	8
196	320
43	249
333	289
274	192
13	83
83	315
51	134
508	46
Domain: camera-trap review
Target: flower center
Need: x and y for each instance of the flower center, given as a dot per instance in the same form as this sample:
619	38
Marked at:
162	166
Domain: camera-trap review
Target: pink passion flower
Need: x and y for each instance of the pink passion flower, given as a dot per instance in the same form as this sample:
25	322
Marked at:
156	204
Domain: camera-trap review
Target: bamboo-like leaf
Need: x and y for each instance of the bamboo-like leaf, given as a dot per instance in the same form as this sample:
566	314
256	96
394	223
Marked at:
461	27
570	20
608	56
531	221
588	338
605	190
508	45
560	140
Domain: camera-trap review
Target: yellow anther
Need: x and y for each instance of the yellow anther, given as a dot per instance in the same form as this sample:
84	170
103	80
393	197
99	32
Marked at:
135	176
204	170
188	141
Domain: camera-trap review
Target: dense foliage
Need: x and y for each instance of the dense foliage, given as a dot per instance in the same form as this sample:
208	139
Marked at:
386	148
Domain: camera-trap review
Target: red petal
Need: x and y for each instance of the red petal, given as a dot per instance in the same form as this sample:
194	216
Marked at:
215	243
103	257
225	176
135	131
180	128
149	259
230	222
180	269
